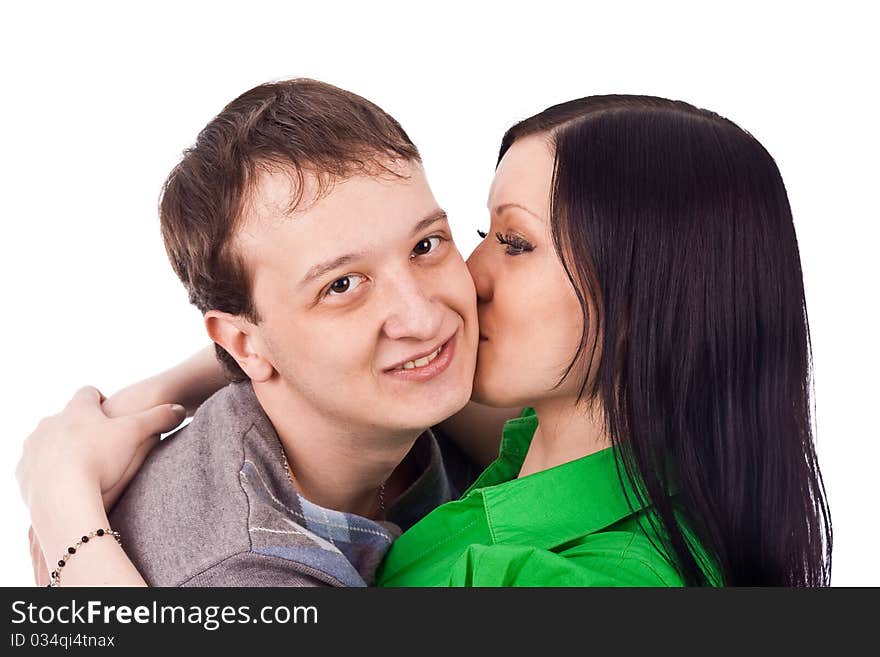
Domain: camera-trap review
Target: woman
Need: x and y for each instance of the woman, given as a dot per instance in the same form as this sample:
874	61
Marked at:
640	289
666	232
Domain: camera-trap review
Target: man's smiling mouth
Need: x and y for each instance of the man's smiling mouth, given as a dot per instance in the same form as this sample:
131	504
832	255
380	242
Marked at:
420	362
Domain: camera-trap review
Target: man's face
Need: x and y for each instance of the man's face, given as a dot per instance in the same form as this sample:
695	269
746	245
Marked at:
356	293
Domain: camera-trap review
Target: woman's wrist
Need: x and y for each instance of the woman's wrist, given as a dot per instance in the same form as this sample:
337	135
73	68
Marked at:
138	397
188	383
83	550
64	511
194	380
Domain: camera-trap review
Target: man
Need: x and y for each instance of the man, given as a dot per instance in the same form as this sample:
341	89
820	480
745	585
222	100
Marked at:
303	228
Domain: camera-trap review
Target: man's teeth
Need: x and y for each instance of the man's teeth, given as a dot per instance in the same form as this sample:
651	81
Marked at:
421	362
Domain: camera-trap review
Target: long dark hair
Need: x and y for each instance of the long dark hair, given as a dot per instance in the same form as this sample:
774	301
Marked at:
675	230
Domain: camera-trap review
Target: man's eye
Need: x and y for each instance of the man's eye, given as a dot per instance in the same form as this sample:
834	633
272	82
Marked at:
426	245
344	285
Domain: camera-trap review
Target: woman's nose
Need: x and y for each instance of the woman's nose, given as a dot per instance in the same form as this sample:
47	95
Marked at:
479	271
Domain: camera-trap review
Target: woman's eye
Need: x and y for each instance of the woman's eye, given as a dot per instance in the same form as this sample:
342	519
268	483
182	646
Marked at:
426	246
344	285
516	245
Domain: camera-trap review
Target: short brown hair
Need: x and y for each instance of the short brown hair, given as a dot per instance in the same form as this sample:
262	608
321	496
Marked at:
301	126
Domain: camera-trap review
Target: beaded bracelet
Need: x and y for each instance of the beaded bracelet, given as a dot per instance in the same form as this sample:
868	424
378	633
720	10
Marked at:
56	574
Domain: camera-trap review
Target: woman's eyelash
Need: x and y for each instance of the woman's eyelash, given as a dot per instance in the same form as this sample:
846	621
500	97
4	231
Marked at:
481	233
515	244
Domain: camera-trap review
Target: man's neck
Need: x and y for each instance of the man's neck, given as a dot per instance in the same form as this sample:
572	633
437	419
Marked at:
332	463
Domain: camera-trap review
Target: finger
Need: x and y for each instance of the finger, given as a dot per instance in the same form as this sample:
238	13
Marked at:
87	398
153	421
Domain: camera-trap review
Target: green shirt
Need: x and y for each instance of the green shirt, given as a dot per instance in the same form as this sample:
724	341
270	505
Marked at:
569	525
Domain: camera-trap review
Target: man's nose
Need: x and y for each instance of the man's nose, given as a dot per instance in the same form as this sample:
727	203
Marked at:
413	312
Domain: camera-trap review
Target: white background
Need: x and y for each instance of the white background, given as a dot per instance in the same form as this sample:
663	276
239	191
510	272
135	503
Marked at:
99	100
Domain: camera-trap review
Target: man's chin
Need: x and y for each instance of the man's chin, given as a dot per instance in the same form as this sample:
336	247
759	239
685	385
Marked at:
431	414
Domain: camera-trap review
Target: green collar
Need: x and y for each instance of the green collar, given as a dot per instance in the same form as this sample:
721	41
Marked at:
554	506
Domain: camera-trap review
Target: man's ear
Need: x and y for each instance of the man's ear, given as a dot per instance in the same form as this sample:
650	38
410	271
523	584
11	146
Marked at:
241	339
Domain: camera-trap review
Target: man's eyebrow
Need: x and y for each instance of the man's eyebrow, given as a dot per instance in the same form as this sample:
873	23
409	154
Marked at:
322	268
505	206
434	217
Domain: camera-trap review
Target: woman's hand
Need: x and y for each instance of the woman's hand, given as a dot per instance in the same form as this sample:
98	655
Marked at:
82	459
73	466
82	446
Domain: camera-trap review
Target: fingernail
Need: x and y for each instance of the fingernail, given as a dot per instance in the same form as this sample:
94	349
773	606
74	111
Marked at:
177	408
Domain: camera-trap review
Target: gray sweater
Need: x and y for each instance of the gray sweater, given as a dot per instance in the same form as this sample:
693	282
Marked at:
212	506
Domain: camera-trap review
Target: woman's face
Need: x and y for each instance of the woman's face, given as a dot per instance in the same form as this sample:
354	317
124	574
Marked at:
530	318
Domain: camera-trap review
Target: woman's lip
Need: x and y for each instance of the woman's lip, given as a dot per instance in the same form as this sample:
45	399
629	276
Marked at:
432	369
